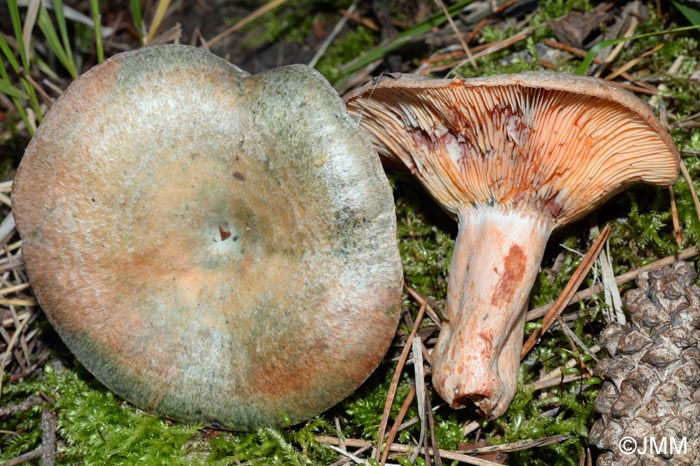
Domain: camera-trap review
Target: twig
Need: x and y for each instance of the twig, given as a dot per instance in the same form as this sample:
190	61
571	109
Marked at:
577	342
674	218
613	300
269	6
462	42
24	457
538	312
518	446
555	377
582	54
48	437
636	89
400	448
497	47
421	392
354	458
7	228
395	380
618	48
29	403
366	22
10	346
671	71
334	33
551	382
431	425
14	289
346	460
161	10
691	186
556	373
416	420
421	300
569	289
47	99
476	30
633	62
17	302
395	428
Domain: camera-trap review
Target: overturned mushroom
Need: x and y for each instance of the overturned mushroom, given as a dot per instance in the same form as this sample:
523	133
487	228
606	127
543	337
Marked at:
213	246
512	157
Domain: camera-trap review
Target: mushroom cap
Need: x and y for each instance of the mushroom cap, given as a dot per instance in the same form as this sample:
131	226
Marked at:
213	246
561	144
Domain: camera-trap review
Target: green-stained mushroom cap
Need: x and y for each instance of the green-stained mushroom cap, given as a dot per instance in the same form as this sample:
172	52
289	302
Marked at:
213	246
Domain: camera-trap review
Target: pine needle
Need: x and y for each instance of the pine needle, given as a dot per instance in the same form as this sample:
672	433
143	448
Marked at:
569	289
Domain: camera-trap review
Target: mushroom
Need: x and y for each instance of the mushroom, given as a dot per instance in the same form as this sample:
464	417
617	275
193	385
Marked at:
213	246
512	157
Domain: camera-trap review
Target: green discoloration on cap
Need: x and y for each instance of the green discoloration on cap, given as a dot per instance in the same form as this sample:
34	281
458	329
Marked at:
122	199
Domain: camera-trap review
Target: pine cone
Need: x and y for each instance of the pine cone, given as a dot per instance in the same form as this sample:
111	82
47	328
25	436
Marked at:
650	399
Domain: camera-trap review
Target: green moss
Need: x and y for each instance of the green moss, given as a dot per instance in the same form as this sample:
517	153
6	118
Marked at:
568	412
25	428
343	49
293	23
552	9
271	446
97	427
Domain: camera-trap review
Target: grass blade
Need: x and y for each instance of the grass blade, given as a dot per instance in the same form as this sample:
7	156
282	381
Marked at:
138	18
161	9
17	27
402	38
264	9
6	85
583	67
7	51
47	27
691	14
29	22
11	91
33	101
61	21
97	21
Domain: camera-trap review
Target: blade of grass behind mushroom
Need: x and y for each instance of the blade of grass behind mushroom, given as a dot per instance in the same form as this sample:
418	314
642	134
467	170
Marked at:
583	67
57	42
137	18
267	7
400	39
59	47
33	101
158	16
691	14
95	10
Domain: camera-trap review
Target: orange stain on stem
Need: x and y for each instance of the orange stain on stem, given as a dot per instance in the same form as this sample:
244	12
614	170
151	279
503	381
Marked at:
513	267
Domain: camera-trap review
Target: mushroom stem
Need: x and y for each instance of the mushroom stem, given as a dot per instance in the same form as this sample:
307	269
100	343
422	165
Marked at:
494	265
